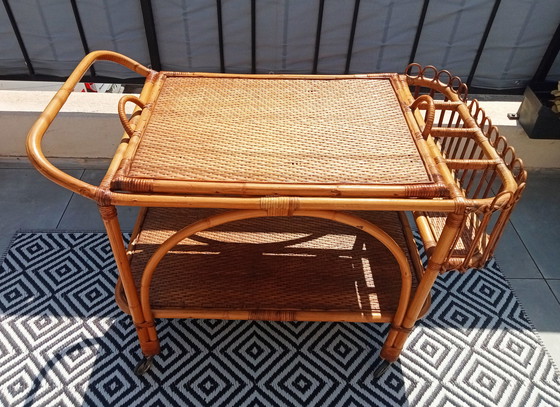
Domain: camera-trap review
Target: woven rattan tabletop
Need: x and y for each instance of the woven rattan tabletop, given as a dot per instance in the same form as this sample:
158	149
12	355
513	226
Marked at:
275	131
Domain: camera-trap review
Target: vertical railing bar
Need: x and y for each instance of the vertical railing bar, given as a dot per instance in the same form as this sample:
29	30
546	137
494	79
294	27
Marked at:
151	37
485	35
81	32
253	36
19	37
419	31
548	58
318	36
352	35
221	36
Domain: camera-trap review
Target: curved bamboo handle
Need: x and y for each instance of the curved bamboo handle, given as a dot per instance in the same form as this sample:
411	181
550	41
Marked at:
40	127
430	113
122	114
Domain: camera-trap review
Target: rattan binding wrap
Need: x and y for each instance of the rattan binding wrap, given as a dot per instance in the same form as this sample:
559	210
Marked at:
273	266
337	131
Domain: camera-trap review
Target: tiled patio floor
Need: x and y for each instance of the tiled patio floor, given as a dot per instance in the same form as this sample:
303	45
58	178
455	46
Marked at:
528	253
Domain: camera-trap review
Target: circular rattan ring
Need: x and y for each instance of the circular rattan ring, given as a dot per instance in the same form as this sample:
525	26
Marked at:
445	77
413	70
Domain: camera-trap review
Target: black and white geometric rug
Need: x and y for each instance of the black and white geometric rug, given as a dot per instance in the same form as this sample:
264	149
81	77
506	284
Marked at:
64	342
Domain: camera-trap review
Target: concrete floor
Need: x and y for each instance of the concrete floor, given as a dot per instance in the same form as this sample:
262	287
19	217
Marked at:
527	254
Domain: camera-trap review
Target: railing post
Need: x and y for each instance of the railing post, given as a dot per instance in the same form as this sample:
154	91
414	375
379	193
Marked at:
151	38
18	37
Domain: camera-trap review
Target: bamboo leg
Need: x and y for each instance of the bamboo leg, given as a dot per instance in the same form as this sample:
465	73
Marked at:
397	335
147	335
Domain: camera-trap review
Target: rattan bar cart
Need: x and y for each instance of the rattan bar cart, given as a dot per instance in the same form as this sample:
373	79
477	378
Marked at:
284	197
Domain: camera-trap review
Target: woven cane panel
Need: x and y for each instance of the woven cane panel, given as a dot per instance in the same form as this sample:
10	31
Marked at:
296	263
466	239
278	131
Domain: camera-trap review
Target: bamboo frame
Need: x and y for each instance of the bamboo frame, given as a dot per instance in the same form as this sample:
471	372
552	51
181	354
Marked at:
446	163
472	148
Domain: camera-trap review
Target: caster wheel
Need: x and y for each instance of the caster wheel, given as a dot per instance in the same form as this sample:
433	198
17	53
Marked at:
144	365
381	369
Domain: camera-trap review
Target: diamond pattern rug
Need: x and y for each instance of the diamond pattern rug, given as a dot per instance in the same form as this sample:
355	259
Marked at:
64	342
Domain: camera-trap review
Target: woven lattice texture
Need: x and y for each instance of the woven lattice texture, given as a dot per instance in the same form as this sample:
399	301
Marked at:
466	239
296	263
278	131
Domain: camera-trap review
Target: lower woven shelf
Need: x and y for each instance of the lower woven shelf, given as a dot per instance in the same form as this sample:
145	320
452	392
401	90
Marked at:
272	268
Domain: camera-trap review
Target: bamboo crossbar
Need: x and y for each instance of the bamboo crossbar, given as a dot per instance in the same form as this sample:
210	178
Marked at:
454	131
307	203
165	187
464	164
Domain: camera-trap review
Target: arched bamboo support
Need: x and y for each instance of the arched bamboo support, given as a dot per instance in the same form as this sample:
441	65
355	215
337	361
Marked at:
351	220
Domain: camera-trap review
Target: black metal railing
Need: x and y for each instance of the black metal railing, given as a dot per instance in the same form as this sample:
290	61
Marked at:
155	61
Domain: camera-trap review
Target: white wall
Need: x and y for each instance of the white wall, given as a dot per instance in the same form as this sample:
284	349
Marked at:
87	126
